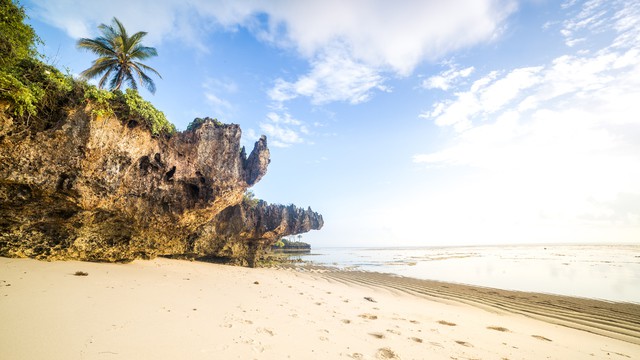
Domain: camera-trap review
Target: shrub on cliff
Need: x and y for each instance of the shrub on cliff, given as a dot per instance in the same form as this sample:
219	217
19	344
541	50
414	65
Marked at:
138	109
128	106
17	39
27	85
197	122
249	199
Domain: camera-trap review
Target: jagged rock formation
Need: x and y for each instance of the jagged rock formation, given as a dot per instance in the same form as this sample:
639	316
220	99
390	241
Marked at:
100	189
247	228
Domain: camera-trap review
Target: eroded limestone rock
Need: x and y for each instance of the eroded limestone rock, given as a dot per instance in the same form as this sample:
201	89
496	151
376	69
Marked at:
100	189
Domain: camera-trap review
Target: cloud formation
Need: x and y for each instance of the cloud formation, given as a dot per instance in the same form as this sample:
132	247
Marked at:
214	90
445	80
282	129
563	133
349	44
333	77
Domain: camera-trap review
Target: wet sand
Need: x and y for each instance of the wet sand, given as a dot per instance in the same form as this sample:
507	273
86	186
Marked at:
616	320
172	309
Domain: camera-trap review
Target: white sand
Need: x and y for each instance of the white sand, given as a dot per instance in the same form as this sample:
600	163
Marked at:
171	309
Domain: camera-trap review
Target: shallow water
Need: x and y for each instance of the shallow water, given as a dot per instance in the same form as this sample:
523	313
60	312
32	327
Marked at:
608	272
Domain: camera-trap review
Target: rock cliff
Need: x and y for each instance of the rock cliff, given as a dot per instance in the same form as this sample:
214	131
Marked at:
102	189
243	230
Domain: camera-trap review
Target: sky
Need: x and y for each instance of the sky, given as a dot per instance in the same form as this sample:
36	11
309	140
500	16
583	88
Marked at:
406	123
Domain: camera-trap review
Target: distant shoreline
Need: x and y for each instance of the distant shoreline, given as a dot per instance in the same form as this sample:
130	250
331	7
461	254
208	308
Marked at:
607	272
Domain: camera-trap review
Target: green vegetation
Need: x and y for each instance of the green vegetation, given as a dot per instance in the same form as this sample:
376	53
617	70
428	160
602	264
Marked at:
288	244
249	199
118	53
32	87
17	39
130	106
26	84
197	122
37	94
138	109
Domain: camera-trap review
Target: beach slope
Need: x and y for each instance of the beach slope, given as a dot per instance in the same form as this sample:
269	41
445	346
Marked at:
172	309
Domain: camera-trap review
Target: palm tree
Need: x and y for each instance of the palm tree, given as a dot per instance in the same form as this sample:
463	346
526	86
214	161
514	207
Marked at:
118	53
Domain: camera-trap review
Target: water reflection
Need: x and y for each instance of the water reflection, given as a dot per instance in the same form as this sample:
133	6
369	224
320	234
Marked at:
593	271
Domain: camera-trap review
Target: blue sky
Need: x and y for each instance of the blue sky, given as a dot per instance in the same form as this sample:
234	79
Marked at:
413	123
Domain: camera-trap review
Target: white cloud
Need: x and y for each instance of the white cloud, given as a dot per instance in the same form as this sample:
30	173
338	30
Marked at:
447	79
348	43
557	142
214	90
283	119
593	17
381	33
283	130
333	77
486	96
216	101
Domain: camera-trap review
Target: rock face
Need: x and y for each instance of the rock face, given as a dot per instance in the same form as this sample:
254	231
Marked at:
101	190
248	228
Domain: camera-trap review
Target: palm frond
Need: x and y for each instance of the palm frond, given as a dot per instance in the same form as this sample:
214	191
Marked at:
99	46
105	77
130	79
144	79
136	38
116	81
99	66
122	34
142	52
147	68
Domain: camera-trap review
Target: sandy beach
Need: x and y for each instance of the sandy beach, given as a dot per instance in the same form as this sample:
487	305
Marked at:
173	309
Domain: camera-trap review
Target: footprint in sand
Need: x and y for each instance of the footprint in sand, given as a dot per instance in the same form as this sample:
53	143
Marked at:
386	353
617	353
265	331
463	343
498	328
356	356
377	335
541	338
442	322
395	332
416	339
346	321
368	316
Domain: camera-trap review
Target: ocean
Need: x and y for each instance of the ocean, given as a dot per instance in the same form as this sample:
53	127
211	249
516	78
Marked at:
606	272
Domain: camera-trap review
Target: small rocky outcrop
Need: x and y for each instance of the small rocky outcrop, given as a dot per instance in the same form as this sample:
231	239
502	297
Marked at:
103	189
244	230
